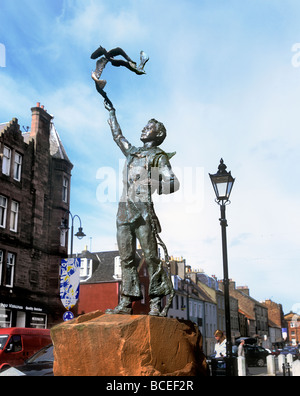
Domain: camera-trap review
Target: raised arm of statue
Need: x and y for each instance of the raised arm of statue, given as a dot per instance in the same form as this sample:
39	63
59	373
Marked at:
116	131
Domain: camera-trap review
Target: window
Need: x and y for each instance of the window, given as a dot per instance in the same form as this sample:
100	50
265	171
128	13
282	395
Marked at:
5	321
6	161
14	216
143	294
117	268
10	266
182	303
63	232
65	189
33	276
15	344
3	210
38	321
88	267
1	261
17	166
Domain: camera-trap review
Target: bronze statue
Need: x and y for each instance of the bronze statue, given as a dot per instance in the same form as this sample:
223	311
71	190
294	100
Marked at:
147	170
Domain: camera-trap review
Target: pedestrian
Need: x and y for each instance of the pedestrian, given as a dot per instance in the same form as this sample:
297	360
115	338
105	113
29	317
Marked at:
220	346
241	351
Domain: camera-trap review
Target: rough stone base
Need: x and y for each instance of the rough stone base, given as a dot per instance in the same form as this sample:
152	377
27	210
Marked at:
98	344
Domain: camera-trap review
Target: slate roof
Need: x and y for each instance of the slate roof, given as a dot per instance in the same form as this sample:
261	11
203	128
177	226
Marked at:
202	294
3	126
105	269
56	147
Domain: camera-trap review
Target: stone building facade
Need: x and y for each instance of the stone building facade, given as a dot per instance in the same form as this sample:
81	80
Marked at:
255	312
276	322
35	178
293	328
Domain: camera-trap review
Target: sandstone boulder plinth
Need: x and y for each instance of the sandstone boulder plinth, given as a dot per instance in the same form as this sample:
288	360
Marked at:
98	344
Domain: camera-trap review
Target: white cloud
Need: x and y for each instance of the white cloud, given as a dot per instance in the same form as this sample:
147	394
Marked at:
91	23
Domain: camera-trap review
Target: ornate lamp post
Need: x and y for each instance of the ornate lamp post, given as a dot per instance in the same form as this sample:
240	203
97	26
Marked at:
80	234
222	183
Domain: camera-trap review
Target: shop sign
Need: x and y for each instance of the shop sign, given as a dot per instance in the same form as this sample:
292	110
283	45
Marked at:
38	320
20	307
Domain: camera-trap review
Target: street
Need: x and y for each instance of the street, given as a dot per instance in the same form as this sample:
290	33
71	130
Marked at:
263	371
258	371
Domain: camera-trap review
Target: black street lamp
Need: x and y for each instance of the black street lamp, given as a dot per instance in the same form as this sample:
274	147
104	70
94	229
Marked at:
222	183
79	234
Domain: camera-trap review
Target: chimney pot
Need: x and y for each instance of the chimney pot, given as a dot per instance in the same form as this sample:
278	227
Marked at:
38	104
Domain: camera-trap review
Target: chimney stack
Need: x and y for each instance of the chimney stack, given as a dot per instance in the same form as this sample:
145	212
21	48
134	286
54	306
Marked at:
244	289
40	121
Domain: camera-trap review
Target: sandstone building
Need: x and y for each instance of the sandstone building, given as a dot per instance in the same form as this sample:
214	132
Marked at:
35	178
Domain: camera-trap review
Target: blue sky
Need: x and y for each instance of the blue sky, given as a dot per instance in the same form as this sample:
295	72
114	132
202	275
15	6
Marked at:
222	77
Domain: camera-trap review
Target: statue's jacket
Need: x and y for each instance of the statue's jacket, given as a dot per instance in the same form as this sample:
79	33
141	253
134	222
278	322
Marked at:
146	170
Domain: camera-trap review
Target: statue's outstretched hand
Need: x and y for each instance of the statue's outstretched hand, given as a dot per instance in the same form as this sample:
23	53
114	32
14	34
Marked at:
108	105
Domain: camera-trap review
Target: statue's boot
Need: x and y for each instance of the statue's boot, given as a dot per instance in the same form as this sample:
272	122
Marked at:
123	308
155	307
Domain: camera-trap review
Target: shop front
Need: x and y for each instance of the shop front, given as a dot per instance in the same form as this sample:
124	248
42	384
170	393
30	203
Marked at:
22	314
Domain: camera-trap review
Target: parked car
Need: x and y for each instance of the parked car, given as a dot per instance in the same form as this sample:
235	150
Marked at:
275	351
213	355
217	365
40	364
256	355
17	344
248	340
290	350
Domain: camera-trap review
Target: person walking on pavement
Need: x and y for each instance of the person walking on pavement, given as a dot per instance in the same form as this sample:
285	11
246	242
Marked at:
220	346
241	353
241	350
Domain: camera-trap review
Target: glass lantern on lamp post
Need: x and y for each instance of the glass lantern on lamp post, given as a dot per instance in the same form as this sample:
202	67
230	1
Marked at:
79	234
222	182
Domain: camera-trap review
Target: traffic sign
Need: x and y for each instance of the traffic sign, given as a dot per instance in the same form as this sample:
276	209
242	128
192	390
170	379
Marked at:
68	316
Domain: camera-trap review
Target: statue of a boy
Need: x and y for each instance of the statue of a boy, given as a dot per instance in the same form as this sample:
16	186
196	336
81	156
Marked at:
147	170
